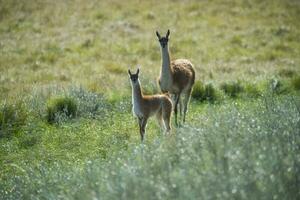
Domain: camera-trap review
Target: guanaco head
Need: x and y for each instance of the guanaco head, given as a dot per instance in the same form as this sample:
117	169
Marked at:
163	40
134	77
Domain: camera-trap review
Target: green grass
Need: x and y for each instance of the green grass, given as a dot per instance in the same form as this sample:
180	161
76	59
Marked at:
60	108
252	90
232	89
244	147
233	150
296	82
57	43
12	118
203	92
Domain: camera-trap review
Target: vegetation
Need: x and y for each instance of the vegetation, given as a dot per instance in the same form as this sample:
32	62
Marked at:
233	150
203	92
59	108
232	89
252	90
60	59
12	118
279	86
296	82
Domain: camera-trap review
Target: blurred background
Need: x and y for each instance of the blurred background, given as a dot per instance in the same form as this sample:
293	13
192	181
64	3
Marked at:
92	43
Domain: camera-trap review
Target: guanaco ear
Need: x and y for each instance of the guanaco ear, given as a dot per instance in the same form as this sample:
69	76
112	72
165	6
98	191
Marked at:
168	33
158	35
129	72
138	71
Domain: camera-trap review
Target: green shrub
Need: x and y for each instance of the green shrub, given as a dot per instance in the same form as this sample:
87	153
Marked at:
279	86
251	90
232	89
210	93
12	118
296	83
198	90
61	108
90	104
203	92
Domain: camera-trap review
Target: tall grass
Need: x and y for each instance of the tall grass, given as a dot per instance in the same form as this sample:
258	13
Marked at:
232	89
234	151
205	92
296	82
12	117
61	108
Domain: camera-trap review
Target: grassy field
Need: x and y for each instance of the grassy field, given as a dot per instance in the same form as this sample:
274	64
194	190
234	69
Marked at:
241	140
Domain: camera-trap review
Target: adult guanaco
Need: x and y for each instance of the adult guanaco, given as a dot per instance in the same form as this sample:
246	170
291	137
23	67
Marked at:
145	106
177	77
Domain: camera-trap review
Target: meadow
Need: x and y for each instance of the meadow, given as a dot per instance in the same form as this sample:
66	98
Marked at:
66	126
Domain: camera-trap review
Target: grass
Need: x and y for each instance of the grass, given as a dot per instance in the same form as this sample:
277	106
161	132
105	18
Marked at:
296	82
78	46
60	108
203	92
232	89
244	147
233	150
252	90
12	118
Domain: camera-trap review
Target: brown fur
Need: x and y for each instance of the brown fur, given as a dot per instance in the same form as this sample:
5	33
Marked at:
182	76
153	104
145	106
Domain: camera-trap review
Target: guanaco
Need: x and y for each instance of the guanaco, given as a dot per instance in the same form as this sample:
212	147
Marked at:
177	77
145	106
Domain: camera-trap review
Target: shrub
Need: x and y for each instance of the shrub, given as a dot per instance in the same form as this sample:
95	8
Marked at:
61	108
232	89
198	90
252	90
203	92
210	93
279	86
12	118
90	104
296	83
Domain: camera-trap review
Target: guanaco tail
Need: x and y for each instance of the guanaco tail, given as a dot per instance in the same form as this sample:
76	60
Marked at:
177	77
145	106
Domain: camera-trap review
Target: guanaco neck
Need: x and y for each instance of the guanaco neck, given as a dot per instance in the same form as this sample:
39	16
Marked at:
166	70
137	95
